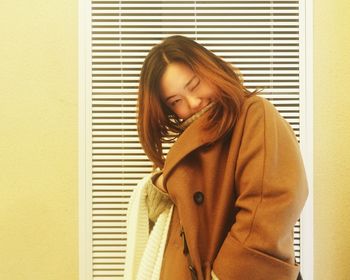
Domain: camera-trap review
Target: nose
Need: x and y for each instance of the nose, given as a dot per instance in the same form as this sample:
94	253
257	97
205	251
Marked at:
194	102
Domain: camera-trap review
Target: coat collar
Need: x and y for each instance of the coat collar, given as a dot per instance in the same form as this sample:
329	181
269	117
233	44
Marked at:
192	138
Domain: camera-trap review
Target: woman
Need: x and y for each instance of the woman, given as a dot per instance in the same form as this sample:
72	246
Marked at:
234	174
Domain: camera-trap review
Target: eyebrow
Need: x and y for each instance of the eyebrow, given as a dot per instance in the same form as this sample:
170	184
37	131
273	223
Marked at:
194	76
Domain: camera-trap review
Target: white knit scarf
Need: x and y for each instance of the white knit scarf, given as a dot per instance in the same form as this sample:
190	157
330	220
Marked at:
144	251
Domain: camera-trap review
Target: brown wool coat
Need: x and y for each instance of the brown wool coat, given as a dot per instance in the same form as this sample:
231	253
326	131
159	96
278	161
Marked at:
237	199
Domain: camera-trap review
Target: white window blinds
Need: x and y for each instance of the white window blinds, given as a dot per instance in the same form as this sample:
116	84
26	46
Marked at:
260	37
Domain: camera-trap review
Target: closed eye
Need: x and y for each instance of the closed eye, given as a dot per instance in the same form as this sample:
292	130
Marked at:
196	85
173	103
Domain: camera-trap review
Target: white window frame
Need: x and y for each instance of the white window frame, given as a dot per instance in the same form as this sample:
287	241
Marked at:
85	138
306	135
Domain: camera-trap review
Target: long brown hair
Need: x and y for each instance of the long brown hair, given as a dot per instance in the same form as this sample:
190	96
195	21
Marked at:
157	124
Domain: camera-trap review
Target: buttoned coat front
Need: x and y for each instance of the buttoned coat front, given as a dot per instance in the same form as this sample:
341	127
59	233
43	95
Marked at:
237	199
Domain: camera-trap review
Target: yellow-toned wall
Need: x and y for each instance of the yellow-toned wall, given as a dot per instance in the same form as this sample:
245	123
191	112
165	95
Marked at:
39	140
332	139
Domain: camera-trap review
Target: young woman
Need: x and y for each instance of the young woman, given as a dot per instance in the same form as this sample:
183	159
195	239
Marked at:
234	175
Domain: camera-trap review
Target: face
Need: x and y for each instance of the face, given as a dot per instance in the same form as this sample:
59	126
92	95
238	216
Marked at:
184	92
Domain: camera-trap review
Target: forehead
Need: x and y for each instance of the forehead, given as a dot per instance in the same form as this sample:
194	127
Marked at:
174	79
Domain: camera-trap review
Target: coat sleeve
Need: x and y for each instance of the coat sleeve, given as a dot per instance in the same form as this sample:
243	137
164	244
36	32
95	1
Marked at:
271	189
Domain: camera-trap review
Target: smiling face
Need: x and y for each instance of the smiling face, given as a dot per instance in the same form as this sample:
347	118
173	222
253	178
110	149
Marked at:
184	92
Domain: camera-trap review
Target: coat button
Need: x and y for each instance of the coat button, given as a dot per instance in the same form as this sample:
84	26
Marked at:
198	197
193	272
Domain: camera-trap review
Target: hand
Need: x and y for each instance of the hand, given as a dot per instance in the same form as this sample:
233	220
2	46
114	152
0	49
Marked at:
159	183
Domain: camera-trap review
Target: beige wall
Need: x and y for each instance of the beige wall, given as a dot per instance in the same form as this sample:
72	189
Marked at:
332	139
39	140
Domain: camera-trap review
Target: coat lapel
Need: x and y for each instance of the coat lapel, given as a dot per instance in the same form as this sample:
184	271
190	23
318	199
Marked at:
192	138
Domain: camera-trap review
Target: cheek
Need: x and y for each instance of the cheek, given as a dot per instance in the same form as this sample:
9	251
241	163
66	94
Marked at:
182	112
210	95
209	92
